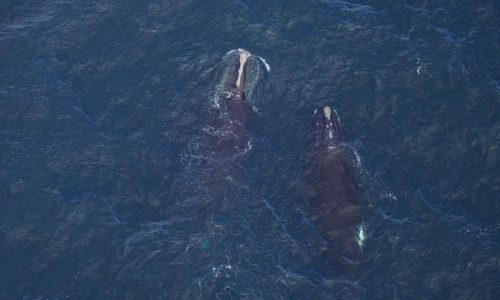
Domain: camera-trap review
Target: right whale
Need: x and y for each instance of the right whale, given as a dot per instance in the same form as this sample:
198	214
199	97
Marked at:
334	198
233	111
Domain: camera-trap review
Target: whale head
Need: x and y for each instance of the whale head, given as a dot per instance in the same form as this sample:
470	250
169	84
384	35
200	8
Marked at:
327	129
242	77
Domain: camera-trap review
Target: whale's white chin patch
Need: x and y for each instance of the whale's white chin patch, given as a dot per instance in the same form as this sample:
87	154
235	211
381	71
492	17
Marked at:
361	236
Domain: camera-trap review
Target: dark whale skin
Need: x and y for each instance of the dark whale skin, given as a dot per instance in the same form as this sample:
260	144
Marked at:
232	112
228	131
227	135
334	198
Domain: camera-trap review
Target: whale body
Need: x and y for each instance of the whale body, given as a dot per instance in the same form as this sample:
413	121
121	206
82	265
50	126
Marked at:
233	109
334	198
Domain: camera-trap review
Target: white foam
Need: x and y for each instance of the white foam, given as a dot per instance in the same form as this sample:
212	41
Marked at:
239	50
358	158
231	51
360	239
268	67
247	148
419	65
215	97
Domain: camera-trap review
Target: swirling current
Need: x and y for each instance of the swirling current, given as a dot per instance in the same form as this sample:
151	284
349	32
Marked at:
103	106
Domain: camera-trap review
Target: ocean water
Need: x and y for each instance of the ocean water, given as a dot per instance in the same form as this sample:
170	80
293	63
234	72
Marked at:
103	103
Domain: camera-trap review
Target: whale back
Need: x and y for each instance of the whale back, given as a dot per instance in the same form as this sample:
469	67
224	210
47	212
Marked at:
333	192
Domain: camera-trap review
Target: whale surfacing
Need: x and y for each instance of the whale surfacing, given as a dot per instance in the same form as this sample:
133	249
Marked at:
334	198
233	107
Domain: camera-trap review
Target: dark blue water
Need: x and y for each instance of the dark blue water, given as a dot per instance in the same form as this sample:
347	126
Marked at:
103	103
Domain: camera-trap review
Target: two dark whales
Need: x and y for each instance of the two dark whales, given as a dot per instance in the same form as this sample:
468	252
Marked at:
332	189
334	197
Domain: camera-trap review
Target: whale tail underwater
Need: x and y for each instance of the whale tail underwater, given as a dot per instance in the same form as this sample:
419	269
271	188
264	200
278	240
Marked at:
332	189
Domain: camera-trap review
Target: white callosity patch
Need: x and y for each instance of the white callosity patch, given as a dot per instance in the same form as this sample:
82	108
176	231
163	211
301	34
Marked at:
327	110
244	55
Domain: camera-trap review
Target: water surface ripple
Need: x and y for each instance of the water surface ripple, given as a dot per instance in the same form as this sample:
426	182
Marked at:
103	104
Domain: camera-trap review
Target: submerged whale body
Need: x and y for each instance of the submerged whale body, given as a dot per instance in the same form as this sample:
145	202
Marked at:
234	107
227	138
334	198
